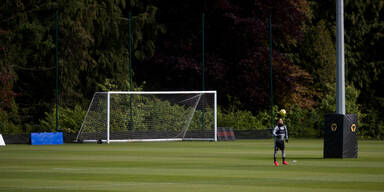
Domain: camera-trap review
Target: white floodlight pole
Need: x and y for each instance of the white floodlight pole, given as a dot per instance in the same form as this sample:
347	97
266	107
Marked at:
340	73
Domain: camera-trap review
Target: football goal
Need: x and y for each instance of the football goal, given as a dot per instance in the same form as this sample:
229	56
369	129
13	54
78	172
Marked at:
123	116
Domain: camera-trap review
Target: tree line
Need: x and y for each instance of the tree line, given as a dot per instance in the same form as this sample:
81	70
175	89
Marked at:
167	55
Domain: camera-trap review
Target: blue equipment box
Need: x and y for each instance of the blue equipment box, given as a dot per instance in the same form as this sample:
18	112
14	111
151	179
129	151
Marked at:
47	138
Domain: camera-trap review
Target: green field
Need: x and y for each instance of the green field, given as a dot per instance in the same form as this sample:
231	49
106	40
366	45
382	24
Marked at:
244	165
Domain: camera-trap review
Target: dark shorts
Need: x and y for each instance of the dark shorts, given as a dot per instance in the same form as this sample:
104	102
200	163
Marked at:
279	144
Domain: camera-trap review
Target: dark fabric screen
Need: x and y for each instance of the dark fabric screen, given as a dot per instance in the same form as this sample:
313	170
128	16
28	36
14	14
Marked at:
350	136
340	136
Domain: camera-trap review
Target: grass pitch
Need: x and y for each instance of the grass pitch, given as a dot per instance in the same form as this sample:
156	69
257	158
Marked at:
245	165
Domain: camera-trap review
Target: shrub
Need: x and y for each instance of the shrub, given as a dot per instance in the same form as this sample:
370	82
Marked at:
70	120
7	125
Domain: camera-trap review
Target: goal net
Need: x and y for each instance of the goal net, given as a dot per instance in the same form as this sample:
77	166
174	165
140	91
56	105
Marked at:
150	116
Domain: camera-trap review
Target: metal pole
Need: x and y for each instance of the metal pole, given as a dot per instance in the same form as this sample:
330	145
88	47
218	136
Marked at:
271	69
203	51
130	68
215	115
108	115
340	75
57	70
203	69
130	49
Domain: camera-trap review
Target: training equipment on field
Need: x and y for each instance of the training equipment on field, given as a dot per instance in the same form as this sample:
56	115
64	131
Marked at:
225	134
150	116
2	143
282	112
340	136
47	138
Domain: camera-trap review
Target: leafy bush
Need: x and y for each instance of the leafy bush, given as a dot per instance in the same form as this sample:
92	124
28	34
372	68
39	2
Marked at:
70	120
243	119
6	123
301	122
304	122
372	127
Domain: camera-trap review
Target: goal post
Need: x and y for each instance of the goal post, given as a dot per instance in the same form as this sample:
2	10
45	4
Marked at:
132	116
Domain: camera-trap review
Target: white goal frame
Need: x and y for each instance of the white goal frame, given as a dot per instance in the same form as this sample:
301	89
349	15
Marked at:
109	93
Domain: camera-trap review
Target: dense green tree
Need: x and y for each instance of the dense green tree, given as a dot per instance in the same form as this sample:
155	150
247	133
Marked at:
93	56
93	47
236	50
364	61
364	45
317	55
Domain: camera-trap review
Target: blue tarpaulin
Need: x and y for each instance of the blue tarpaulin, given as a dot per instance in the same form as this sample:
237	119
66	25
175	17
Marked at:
47	138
